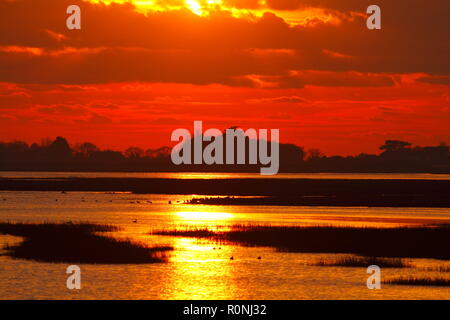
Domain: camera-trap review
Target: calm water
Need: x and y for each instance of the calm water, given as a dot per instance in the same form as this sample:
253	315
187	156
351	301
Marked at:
195	270
222	175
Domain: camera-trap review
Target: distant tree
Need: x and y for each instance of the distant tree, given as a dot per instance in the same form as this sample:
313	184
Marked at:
314	154
59	149
439	153
163	152
107	156
396	156
291	154
45	142
394	145
365	156
18	147
86	149
134	153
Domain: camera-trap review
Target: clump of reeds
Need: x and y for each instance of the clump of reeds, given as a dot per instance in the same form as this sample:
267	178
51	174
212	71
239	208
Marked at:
401	242
414	281
358	261
77	243
189	232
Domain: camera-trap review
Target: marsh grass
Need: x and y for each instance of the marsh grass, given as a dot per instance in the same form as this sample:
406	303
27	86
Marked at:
190	232
401	242
359	261
77	243
324	199
414	281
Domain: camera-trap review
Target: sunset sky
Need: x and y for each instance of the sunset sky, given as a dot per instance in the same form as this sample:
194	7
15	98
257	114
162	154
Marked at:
137	70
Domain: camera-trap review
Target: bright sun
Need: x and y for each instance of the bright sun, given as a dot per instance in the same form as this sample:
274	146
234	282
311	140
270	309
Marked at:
198	7
194	6
205	7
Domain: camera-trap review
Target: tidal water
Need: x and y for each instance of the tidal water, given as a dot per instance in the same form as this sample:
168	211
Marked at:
198	269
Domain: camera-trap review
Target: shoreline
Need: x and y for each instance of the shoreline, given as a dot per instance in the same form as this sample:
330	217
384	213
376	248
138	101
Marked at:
327	201
295	192
279	192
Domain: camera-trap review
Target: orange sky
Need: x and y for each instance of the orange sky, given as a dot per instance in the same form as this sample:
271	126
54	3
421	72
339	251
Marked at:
139	69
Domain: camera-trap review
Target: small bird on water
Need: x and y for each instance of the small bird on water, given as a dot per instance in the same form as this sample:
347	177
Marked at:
232	258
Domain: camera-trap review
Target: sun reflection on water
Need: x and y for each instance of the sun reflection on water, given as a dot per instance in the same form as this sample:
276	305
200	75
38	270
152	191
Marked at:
204	216
199	270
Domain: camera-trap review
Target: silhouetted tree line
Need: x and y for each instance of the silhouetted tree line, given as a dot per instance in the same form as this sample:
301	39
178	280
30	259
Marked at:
58	155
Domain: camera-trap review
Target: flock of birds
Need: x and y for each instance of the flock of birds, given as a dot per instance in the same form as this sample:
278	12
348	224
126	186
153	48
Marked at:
132	202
